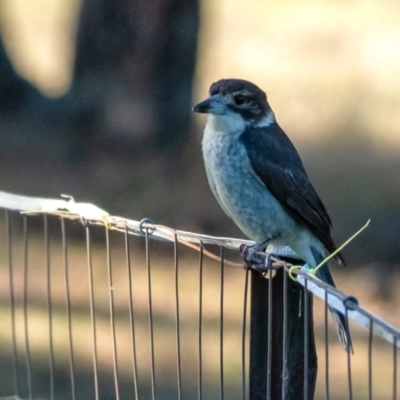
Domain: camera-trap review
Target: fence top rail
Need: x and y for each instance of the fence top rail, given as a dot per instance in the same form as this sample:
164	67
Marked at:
90	214
87	213
349	305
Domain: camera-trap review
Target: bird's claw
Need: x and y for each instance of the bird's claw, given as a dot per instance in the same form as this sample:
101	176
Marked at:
256	258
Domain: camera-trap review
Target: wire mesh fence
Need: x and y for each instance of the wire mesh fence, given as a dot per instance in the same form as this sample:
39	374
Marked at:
100	307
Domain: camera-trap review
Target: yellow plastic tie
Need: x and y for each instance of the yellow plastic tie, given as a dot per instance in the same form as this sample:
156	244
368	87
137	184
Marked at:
108	226
313	271
293	267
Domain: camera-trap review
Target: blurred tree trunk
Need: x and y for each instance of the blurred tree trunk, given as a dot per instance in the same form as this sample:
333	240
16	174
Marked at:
118	136
134	72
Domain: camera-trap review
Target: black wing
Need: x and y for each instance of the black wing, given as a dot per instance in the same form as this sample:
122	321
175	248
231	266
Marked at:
277	163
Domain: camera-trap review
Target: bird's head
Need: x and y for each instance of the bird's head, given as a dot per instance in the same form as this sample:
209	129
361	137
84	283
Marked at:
237	99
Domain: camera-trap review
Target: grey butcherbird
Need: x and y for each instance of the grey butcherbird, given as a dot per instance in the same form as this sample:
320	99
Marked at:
259	180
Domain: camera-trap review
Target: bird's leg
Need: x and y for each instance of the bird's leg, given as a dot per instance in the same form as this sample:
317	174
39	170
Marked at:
255	257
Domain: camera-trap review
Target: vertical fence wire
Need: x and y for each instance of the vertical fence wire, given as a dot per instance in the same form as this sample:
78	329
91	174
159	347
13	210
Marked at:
244	326
68	308
49	305
151	328
131	313
269	340
112	314
200	356
178	338
25	305
221	325
305	308
284	338
28	340
370	336
349	361
394	367
326	337
92	311
12	304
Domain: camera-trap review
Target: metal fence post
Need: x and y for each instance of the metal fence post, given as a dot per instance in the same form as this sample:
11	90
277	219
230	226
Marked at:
295	333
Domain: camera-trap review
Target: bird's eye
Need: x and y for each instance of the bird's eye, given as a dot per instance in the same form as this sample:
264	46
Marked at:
239	100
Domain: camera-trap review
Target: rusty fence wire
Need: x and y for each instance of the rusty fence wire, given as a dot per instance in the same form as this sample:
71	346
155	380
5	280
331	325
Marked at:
101	307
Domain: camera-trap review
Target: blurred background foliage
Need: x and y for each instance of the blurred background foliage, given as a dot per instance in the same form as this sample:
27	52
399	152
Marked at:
96	98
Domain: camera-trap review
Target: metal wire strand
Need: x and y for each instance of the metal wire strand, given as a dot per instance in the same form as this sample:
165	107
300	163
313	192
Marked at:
269	343
244	326
394	368
112	314
221	326
68	308
349	377
200	360
92	312
49	305
16	379
370	336
284	338
327	394
305	308
131	313
151	328
27	347
178	338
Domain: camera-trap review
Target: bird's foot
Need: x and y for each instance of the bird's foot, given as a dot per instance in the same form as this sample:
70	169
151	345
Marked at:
256	258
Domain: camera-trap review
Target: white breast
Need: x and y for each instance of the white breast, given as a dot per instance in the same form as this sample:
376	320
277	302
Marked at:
235	185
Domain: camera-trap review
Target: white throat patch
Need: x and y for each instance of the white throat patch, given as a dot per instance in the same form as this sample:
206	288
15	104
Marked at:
268	120
230	122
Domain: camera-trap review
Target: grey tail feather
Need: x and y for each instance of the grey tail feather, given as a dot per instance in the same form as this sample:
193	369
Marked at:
340	321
